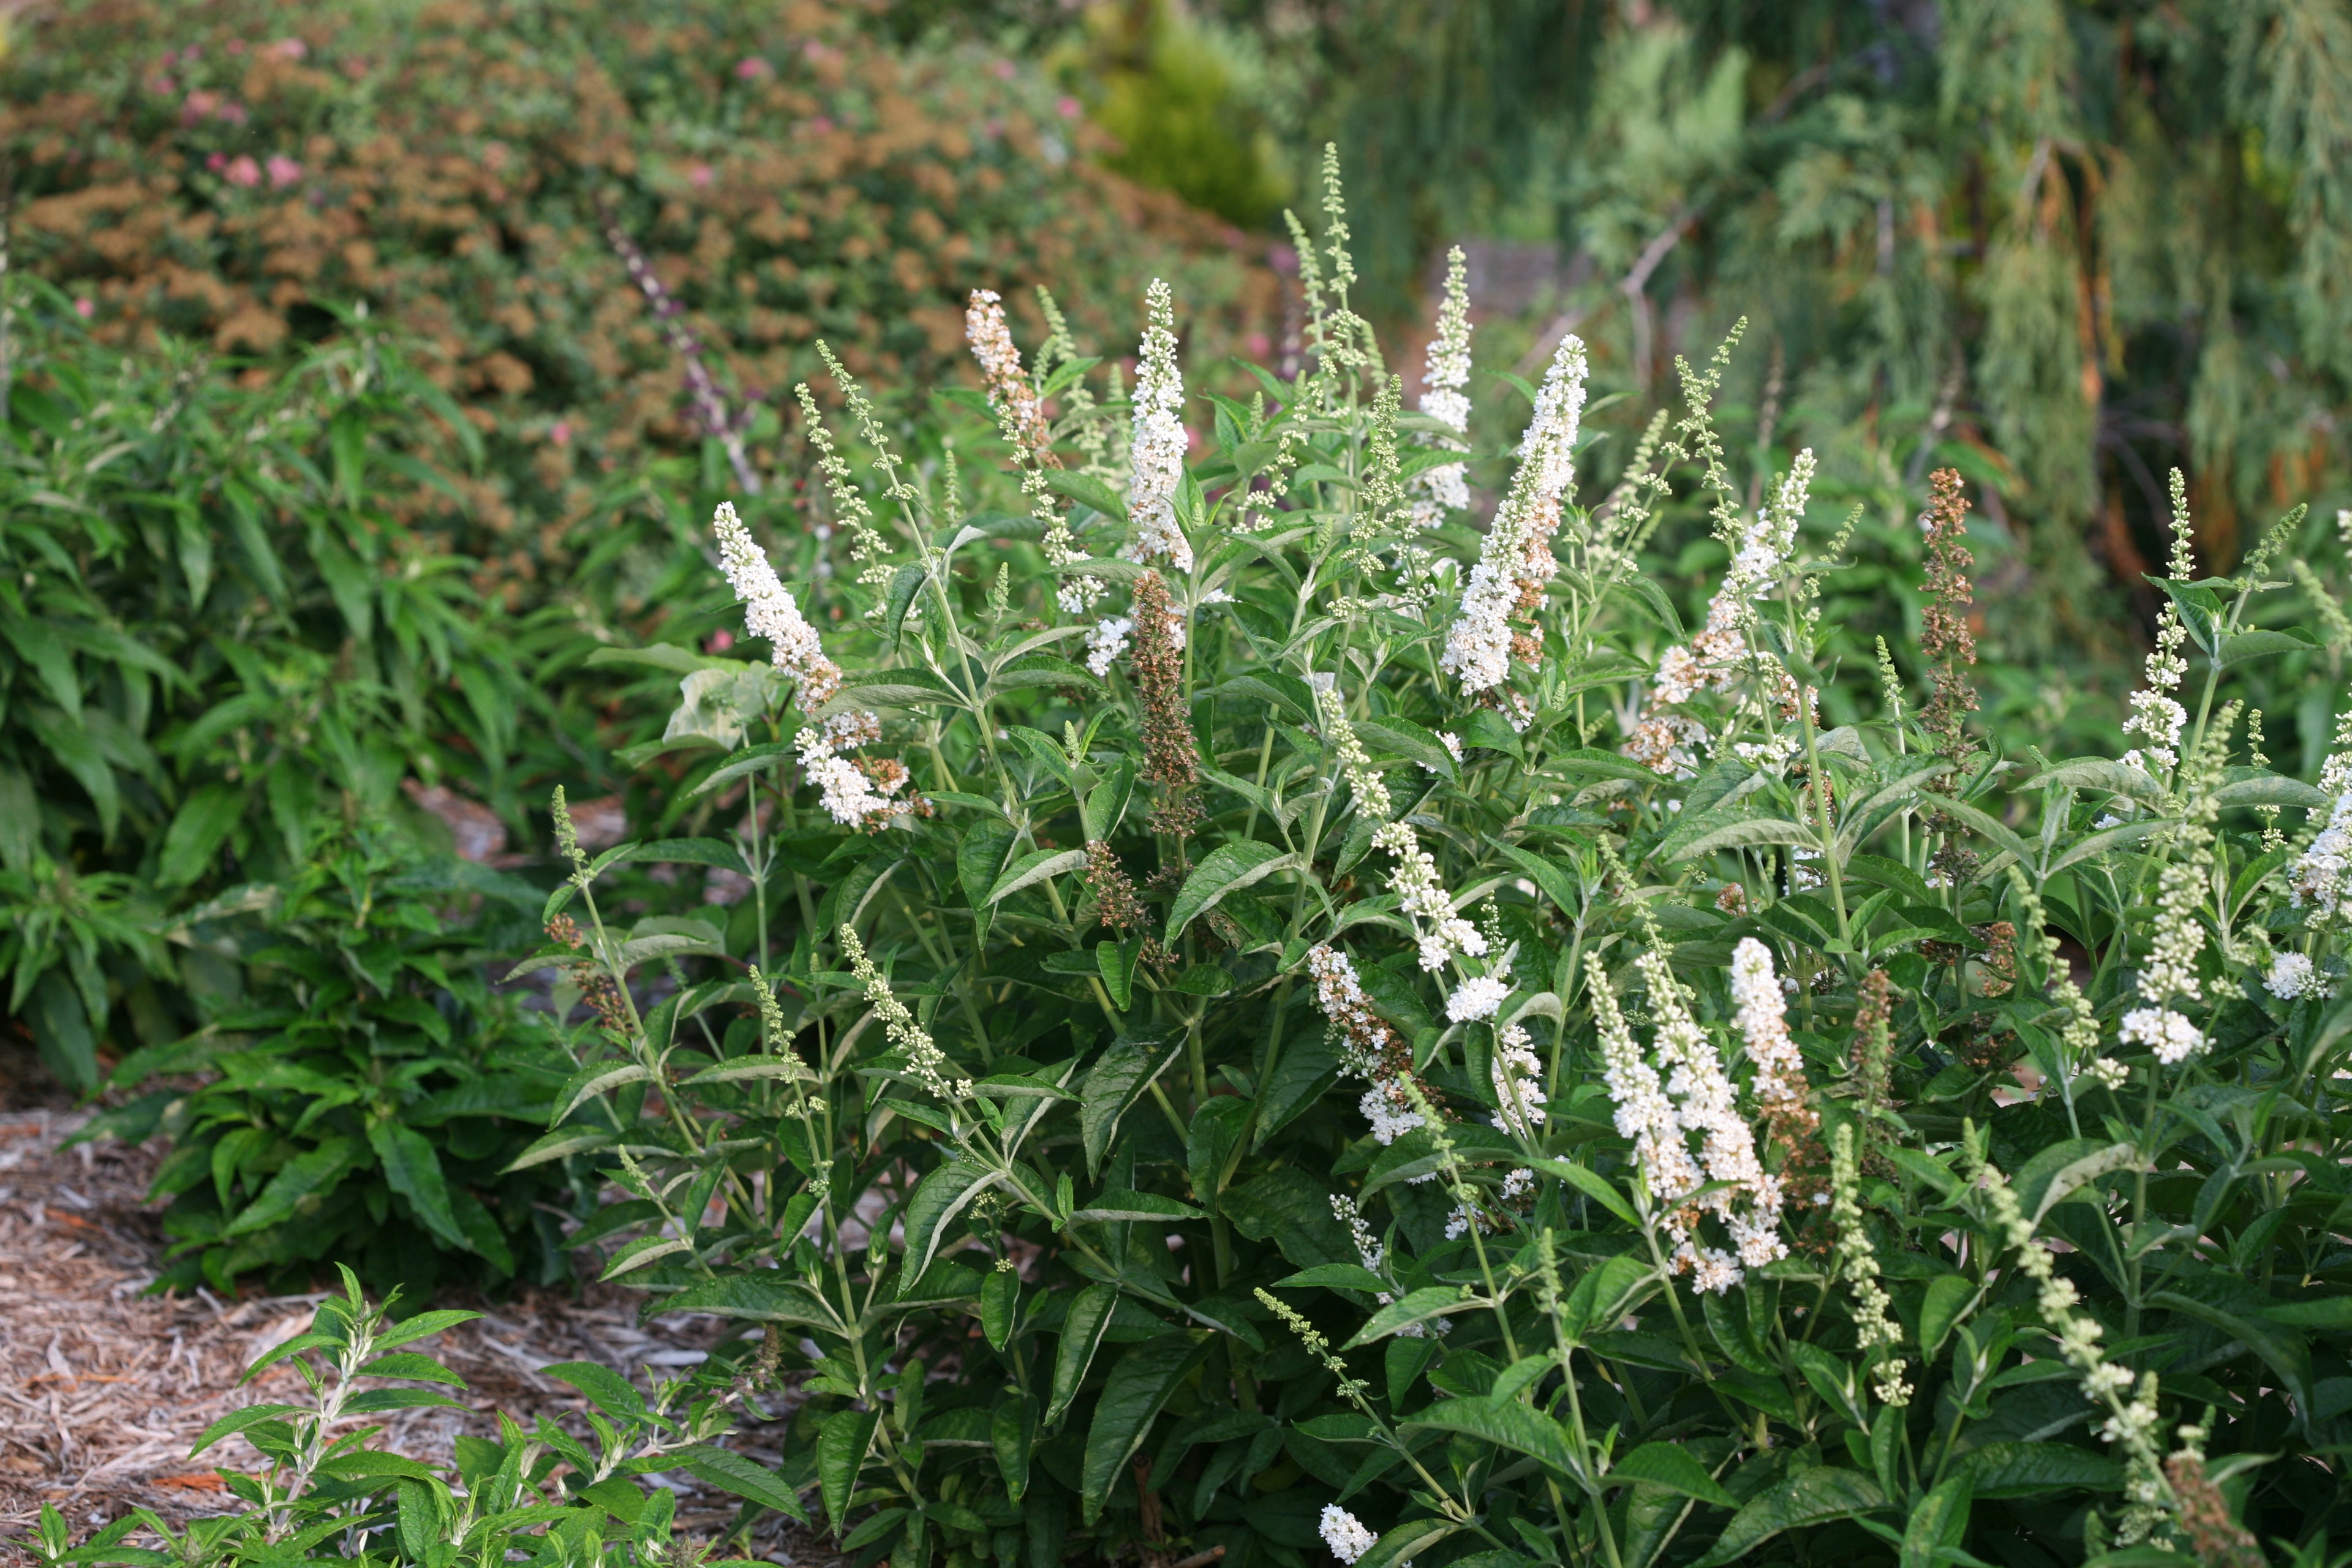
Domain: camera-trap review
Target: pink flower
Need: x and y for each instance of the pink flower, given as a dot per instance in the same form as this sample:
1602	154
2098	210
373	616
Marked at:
560	433
1004	70
1067	108
283	171
1260	345
821	124
722	640
216	162
197	105
290	50
232	112
243	171
752	68
85	309
237	46
701	176
191	52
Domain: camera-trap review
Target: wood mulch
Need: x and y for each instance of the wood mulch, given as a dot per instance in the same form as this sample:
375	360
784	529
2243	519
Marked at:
104	1388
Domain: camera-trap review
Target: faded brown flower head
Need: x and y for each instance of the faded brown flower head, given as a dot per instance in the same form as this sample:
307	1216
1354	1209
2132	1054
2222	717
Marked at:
1945	635
2215	1539
1171	757
1116	904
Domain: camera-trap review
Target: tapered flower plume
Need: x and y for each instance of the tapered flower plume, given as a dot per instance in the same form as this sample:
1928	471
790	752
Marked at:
1515	561
1944	633
1009	392
1445	398
1156	447
769	611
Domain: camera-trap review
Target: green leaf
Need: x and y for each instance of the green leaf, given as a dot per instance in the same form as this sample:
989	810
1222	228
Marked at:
999	1299
841	1450
414	1171
1034	866
1122	1204
1509	1425
407	1364
1139	1385
761	1295
425	1325
2218	1301
1087	492
1946	1295
2243	646
607	1390
938	1199
1115	962
1996	832
597	1078
1937	1520
1595	1186
563	1141
1391	736
1011	1434
1334	1277
1671	1466
732	1473
1225	869
2200	608
377	1400
1746	834
1809	1497
2029	1469
1106	802
1119	1077
2269	789
1082	1330
1407	1541
1416	1307
197	832
236	1421
306	1179
642	1251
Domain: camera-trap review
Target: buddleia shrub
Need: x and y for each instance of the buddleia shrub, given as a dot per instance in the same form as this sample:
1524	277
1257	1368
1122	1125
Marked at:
219	643
1260	1013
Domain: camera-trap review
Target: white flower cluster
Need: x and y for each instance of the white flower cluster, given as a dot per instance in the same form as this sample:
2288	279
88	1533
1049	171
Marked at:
2322	876
1762	1020
1464	1215
1518	1183
2172	1037
1345	1534
1371	791
1372	1047
1671	744
1480	996
1424	898
1695	1098
1875	1329
1157	443
924	1059
1518	1085
1107	642
1368	1246
856	792
769	611
2155	716
1446	399
2292	975
1515	561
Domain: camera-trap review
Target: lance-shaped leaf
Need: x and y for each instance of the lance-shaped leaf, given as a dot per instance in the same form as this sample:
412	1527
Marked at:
1417	1307
938	1199
731	1472
1225	869
1082	1331
1138	1386
840	1455
1509	1424
1033	867
1809	1497
1671	1466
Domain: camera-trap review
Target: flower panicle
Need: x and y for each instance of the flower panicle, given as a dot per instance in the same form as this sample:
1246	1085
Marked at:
925	1060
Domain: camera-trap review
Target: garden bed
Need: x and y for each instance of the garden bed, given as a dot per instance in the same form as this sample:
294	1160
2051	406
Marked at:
106	1387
